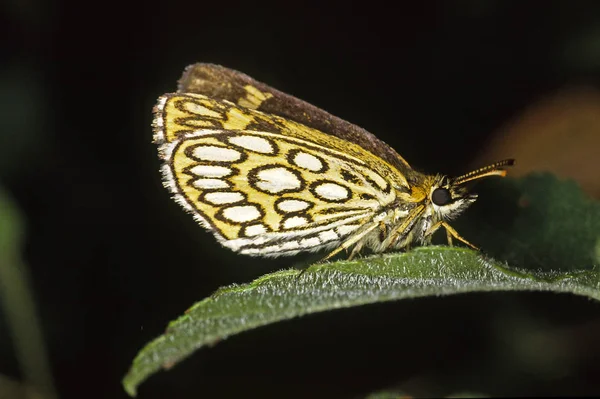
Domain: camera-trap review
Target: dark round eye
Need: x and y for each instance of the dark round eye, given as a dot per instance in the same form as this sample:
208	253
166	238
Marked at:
441	196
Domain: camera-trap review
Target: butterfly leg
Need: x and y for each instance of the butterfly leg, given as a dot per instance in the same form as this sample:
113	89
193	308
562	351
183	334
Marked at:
449	238
402	229
357	248
353	239
450	232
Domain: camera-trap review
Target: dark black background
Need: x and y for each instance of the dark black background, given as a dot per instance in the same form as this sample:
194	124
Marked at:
113	259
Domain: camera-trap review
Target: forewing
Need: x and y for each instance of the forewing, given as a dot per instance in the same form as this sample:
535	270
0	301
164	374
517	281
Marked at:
264	185
223	83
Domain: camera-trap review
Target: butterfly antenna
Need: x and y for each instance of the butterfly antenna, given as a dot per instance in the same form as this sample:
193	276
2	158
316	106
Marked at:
495	169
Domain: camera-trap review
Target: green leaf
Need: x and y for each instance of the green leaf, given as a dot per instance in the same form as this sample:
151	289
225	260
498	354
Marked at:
537	222
18	305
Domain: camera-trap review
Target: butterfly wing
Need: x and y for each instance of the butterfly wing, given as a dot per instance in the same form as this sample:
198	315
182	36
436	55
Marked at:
265	185
223	83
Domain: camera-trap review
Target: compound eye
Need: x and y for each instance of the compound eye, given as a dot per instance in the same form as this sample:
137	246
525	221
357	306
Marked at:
441	196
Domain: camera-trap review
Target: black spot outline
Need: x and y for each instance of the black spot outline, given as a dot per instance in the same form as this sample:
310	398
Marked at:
295	151
217	122
219	214
187	170
306	216
295	213
316	183
217	106
190	149
186	122
202	198
224	138
190	183
385	190
253	179
335	229
242	232
350	177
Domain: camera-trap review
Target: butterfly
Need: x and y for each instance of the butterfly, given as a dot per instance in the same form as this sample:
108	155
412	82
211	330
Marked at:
271	175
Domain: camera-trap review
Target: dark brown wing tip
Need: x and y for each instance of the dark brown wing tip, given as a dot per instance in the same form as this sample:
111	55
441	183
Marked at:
201	73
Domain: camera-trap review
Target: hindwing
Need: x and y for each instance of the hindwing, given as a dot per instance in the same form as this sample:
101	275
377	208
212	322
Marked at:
265	185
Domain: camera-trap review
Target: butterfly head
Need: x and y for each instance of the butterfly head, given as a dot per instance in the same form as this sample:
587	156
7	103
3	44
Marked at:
449	197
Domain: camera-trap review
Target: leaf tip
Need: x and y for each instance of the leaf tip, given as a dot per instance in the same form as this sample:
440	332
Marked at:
129	386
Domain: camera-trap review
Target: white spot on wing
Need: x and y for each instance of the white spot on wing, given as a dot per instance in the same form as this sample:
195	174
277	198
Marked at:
310	242
277	179
292	205
253	143
198	109
214	153
380	181
200	133
210	183
328	235
294	221
210	171
226	197
290	245
344	230
308	161
268	249
332	191
241	214
255	230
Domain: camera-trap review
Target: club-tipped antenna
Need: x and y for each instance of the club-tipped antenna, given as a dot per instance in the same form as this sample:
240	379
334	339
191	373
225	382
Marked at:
495	169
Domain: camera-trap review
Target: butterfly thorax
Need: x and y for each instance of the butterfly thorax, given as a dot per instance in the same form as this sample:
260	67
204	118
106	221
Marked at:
410	219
